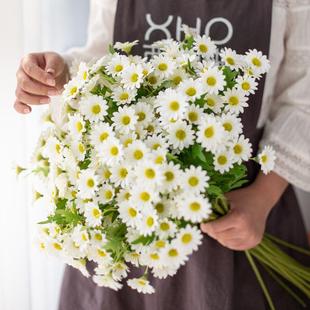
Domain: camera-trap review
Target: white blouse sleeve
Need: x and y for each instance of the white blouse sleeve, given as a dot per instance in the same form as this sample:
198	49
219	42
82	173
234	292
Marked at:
288	124
100	32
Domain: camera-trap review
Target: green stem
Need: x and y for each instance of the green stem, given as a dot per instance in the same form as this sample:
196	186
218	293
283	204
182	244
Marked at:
260	280
284	286
288	245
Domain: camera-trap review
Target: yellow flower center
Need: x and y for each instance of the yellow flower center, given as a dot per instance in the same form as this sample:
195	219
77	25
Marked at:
264	158
154	256
177	80
79	126
132	212
73	90
228	126
193	181
209	132
222	160
160	244
169	176
101	253
162	67
134	78
126	120
246	86
180	134
58	148
138	154
195	206
210	102
150	173
174	106
114	151
149	221
141	116
233	100
191	91
256	62
123	173
144	196
98	237
203	48
164	226
124	96
96	213
230	61
118	68
187	238
108	194
152	80
96	109
81	148
103	136
193	116
173	253
90	183
238	149
211	81
57	246
160	208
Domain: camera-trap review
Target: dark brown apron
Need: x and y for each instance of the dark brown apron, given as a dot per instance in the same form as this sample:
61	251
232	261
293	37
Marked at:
214	278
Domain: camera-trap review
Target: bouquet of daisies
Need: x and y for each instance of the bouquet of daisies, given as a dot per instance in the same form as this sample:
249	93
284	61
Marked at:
138	152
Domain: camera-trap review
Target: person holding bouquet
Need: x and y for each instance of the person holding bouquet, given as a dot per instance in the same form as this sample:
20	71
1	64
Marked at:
218	275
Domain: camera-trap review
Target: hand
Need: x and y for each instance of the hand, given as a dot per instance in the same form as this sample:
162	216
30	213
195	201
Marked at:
39	76
243	227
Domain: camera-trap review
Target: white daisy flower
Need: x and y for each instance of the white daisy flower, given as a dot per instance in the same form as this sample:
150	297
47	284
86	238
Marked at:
129	214
100	133
266	159
194	208
230	58
151	258
78	150
80	236
128	138
163	272
163	66
195	180
126	47
189	238
76	125
191	89
83	73
133	258
119	271
143	196
71	89
258	63
93	214
223	161
194	114
141	285
106	193
53	149
231	124
98	238
93	107
107	281
136	152
79	264
171	103
166	228
103	173
87	184
210	133
144	113
156	142
178	76
123	195
173	256
121	174
172	176
117	64
123	96
163	208
181	135
124	119
71	248
99	255
148	222
149	173
242	149
204	46
213	80
247	84
110	152
132	77
236	101
214	102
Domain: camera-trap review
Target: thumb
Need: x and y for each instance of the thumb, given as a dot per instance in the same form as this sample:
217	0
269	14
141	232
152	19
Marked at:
219	225
54	64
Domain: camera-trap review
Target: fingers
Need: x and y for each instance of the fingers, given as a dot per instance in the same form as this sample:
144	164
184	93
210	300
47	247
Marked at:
27	98
30	65
21	107
55	64
31	86
222	224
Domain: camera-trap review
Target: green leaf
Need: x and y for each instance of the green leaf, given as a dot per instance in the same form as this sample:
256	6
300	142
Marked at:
145	240
111	49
